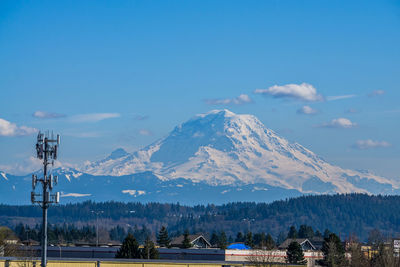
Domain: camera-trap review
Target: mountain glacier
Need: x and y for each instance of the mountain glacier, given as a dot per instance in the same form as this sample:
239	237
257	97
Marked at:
221	148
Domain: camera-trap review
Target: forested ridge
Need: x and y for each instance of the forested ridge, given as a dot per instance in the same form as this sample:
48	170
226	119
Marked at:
345	214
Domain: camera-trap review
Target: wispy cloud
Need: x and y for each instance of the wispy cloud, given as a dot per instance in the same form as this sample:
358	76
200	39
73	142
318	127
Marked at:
339	97
368	144
351	110
376	93
339	123
83	134
47	115
307	110
145	132
28	165
141	117
94	117
240	100
304	92
75	195
11	129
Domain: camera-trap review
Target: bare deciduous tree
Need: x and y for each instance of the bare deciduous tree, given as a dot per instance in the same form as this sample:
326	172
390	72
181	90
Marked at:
263	258
386	257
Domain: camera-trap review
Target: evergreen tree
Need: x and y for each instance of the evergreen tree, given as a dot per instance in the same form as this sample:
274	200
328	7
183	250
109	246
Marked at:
222	244
349	217
249	240
318	234
334	254
269	242
295	254
117	233
239	237
214	239
305	231
292	232
259	240
186	242
230	239
142	234
20	231
163	239
281	238
327	233
129	248
149	251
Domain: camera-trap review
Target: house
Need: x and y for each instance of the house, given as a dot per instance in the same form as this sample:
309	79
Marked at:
30	242
197	241
304	243
317	242
11	241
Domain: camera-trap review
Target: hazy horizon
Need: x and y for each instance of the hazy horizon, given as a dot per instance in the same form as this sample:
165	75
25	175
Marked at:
107	75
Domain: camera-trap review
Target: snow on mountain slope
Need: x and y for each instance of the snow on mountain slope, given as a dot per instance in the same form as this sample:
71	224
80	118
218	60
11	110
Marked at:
223	148
3	175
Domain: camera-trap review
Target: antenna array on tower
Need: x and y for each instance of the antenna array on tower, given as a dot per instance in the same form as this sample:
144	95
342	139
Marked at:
46	150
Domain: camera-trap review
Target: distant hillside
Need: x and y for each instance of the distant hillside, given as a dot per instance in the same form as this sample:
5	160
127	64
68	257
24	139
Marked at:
344	214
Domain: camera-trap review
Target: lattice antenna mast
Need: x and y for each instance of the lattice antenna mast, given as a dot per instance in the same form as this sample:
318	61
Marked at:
46	150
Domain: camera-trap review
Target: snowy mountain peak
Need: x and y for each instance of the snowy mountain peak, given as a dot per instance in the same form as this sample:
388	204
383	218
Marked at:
224	148
222	112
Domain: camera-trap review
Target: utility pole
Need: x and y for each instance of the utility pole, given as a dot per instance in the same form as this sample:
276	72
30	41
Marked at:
97	224
46	150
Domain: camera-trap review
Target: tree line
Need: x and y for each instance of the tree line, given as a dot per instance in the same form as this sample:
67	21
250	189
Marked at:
70	233
384	253
343	213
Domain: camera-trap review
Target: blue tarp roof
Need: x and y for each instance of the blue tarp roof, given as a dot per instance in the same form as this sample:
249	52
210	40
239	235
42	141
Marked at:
238	246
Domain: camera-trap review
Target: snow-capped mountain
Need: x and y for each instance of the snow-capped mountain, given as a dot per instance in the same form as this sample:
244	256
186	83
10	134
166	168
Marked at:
216	157
221	148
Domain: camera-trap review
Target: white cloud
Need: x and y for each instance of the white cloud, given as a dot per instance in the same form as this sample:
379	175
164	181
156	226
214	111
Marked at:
11	129
47	115
367	144
376	93
31	164
240	100
307	110
28	165
134	193
75	195
339	97
94	117
339	123
304	91
145	132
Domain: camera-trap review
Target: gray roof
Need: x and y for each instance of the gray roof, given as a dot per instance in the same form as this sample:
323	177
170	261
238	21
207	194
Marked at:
178	241
301	241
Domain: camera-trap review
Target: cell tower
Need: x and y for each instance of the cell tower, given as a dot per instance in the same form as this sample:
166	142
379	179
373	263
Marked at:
46	150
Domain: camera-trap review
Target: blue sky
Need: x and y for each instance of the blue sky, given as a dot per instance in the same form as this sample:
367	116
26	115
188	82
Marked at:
109	74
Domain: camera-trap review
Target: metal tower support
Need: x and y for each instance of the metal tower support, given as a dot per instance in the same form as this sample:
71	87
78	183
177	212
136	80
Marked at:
46	150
